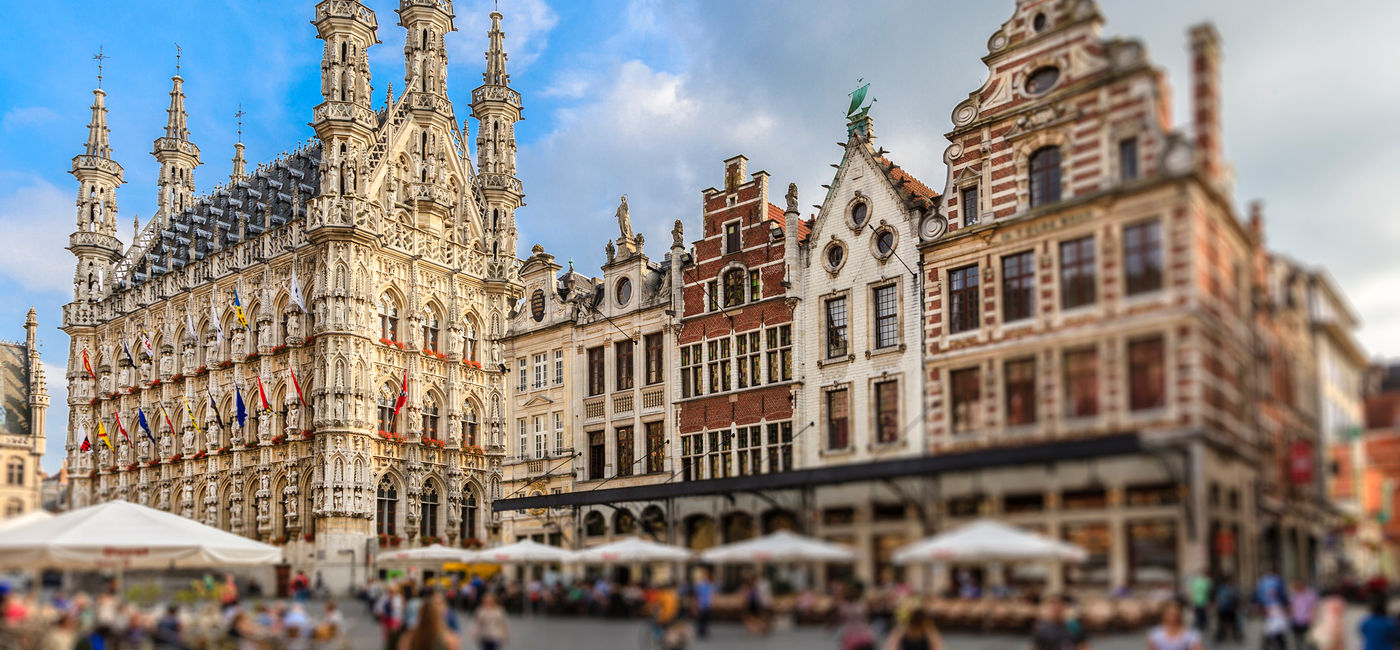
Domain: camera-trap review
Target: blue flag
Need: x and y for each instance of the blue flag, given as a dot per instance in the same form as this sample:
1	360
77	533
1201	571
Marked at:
242	411
127	350
141	419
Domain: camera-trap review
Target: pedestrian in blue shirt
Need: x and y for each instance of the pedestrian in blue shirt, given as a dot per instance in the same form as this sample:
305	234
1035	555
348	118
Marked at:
1378	630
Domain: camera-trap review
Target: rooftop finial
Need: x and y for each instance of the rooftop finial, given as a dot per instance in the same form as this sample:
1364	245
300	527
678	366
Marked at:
239	115
100	58
178	52
495	74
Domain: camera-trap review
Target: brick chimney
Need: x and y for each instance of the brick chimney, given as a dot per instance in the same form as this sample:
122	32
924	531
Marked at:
1205	99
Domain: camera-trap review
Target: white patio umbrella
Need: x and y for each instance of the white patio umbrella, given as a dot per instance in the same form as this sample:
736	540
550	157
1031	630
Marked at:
125	535
436	553
633	549
777	548
525	551
987	540
25	519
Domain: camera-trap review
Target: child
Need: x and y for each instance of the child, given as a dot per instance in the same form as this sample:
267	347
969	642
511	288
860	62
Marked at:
1275	627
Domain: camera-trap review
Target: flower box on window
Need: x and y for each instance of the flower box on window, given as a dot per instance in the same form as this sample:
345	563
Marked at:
308	537
474	450
131	467
176	457
201	370
200	454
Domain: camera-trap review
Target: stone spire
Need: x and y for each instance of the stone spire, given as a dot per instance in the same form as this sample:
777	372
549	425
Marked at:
239	164
94	241
177	155
495	74
497	108
98	143
424	51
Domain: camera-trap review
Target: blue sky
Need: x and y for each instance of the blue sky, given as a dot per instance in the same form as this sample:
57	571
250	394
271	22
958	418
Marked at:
646	97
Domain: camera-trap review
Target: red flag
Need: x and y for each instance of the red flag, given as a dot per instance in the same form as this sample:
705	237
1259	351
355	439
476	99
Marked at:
167	418
121	428
296	385
87	365
403	393
262	394
87	446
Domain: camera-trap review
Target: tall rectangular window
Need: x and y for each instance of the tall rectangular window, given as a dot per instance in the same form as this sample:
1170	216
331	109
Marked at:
963	304
692	370
720	364
711	295
838	337
1020	392
597	455
969	206
1127	159
748	451
886	301
779	446
692	456
1142	257
966	389
755	286
523	449
559	433
887	411
523	365
625	459
656	447
1045	176
731	237
747	346
654	355
1147	374
541	370
596	377
541	438
718	459
558	367
779	353
622	351
1077	273
1082	383
1018	286
838	418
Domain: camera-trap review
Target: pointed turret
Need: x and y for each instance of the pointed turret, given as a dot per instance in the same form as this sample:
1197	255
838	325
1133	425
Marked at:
424	52
240	165
497	108
177	156
344	122
95	242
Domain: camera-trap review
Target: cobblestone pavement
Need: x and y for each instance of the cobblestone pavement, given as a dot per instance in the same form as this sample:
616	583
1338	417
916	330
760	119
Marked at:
589	634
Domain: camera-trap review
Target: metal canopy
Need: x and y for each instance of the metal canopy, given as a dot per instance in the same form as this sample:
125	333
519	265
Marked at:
1037	453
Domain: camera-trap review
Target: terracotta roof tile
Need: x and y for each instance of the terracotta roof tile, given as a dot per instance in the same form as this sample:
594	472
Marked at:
804	228
910	184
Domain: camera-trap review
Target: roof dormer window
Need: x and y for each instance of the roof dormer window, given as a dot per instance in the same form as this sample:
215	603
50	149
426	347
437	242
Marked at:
1042	80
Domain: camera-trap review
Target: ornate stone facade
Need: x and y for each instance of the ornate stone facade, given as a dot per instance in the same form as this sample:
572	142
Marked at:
24	401
369	260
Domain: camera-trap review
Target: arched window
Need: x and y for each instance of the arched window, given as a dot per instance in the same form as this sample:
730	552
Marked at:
386	510
470	422
388	318
431	419
428	512
14	472
594	525
470	510
386	408
734	288
472	336
1045	176
431	329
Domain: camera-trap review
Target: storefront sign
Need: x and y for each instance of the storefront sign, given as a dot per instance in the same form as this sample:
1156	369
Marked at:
1300	462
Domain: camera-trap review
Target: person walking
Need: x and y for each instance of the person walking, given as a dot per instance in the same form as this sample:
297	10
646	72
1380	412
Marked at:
854	620
1302	607
1055	631
430	631
1172	633
492	628
918	634
1201	587
301	587
1329	627
1378	630
1227	611
704	601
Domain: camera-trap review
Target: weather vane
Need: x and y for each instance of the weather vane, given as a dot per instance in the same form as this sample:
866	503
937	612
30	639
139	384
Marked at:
240	115
178	52
100	58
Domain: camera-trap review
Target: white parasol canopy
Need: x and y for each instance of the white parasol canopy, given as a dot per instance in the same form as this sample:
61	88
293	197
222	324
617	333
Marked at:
436	553
25	519
525	551
987	540
122	534
779	547
633	549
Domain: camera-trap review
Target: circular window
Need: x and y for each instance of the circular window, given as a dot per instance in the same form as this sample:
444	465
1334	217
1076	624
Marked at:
1040	22
860	213
835	256
624	291
884	242
1042	80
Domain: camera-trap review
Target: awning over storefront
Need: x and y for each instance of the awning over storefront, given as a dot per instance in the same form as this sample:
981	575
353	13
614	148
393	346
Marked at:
1030	454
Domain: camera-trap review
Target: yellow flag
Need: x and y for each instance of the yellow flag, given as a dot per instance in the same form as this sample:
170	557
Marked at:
102	433
193	421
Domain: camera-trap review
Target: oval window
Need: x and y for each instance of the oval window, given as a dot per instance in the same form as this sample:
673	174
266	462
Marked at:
884	242
860	212
1042	79
624	291
1040	22
835	255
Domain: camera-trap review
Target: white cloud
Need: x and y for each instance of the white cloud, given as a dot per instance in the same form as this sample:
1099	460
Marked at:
526	23
26	116
57	417
36	217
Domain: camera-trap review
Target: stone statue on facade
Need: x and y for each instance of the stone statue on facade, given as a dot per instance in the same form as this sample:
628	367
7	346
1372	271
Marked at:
124	454
624	219
610	250
143	448
211	433
289	498
240	339
189	358
792	197
677	234
294	326
167	365
187	440
163	503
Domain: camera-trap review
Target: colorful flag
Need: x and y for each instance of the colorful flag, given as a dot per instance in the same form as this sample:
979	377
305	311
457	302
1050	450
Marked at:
118	417
403	393
145	426
146	345
241	409
296	385
193	422
87	365
87	446
296	289
262	396
102	433
168	424
238	311
127	350
213	406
